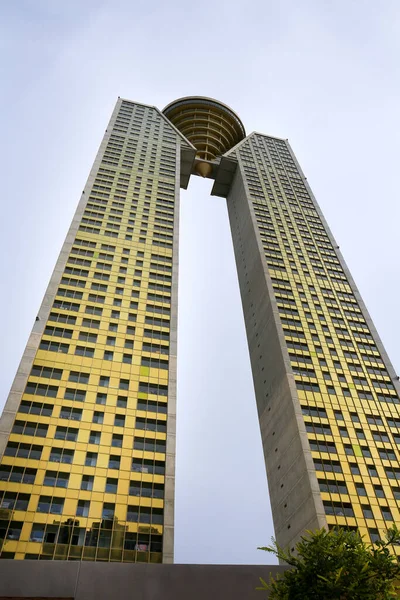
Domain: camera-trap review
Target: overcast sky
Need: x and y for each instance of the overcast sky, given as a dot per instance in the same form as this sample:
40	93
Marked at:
324	74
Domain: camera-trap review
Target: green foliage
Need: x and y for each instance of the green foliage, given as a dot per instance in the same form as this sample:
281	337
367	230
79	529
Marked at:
337	565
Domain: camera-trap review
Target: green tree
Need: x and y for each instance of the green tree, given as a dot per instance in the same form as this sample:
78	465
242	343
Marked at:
336	565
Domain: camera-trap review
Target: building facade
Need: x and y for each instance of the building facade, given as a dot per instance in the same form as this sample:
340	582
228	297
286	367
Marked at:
87	437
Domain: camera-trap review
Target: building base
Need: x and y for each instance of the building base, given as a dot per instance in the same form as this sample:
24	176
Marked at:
97	581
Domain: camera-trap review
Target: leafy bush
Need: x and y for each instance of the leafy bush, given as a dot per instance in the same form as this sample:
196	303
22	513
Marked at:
336	565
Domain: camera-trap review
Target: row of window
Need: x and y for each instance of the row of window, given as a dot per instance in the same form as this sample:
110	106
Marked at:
95	542
65	455
11	530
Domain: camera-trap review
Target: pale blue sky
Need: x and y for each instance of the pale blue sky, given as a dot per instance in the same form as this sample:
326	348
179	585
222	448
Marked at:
323	74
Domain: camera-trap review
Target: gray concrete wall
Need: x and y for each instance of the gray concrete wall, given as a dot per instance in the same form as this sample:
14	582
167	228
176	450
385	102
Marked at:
169	492
98	581
294	493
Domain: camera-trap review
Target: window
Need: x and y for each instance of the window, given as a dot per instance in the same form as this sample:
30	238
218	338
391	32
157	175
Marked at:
152	406
53	346
149	445
67	412
374	535
116	440
66	433
13	501
333	486
91	323
151	388
78	377
87	482
143	514
108	510
386	513
91	459
111	485
354	469
122	402
39	371
56	479
161	426
94	437
17	474
367	512
309	411
119	421
40	389
98	417
317	446
37	533
146	489
110	341
50	504
82	509
379	493
73	394
10	530
124	384
381	437
360	488
82	351
387	454
338	509
85	336
114	462
108	355
28	428
61	455
372	472
101	398
35	408
59	318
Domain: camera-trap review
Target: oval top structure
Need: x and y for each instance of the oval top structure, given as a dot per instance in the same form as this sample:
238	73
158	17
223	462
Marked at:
212	127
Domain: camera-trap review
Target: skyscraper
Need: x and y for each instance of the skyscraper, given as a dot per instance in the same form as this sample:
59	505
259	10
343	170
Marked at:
87	436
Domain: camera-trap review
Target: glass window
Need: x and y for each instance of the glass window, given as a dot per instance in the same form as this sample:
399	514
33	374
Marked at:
94	437
98	416
82	509
111	485
87	482
114	462
108	510
117	440
367	512
119	421
91	459
101	398
122	402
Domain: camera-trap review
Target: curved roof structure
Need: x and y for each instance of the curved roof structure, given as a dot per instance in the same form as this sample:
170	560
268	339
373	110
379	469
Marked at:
211	126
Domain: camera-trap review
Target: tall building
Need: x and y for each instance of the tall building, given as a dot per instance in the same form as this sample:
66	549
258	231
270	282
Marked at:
87	437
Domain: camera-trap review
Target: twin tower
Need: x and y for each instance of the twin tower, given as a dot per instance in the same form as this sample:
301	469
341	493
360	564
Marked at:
87	437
